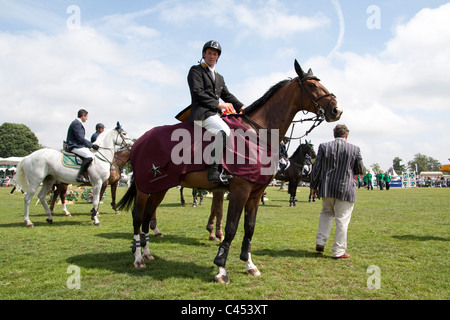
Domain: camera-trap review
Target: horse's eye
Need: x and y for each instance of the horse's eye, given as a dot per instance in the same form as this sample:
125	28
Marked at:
312	85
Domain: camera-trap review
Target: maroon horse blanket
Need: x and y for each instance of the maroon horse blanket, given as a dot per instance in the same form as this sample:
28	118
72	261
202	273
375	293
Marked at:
164	154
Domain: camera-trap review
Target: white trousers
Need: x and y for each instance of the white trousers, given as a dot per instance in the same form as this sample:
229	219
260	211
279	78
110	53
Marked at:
341	211
214	124
83	152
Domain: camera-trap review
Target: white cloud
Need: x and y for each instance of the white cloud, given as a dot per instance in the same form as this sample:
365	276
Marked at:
394	101
268	21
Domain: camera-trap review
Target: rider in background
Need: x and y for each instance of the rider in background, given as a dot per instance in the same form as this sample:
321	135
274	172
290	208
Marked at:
76	143
283	157
99	128
207	87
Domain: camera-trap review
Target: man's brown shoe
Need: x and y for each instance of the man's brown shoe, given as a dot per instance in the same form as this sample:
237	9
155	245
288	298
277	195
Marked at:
344	256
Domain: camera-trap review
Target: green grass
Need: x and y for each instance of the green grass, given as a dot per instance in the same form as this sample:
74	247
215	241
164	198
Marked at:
403	232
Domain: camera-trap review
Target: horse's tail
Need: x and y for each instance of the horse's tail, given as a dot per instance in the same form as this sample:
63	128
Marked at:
128	199
20	179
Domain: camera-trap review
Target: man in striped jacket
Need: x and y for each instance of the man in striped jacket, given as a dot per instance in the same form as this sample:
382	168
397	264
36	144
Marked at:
332	179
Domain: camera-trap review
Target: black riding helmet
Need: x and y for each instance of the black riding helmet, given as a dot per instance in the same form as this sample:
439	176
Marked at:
214	45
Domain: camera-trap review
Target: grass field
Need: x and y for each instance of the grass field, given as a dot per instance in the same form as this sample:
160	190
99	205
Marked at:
404	233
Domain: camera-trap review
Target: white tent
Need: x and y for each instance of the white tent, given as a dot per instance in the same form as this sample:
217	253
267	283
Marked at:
11	161
431	174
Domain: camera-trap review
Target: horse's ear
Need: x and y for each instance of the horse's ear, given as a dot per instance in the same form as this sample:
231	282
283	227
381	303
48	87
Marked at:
299	69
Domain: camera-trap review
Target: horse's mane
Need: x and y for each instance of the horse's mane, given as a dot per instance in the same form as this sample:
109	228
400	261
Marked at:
297	151
102	135
258	103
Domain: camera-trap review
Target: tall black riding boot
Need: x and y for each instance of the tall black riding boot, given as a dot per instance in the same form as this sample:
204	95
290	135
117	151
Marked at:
214	176
83	170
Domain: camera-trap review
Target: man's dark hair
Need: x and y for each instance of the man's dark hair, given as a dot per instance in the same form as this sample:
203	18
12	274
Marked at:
341	131
81	113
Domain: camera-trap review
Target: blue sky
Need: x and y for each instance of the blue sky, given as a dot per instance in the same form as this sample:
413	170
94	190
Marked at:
387	62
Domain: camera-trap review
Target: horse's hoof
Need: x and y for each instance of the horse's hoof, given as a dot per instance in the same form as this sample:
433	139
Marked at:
159	235
254	272
139	265
97	224
68	215
148	257
223	279
117	212
30	225
49	221
213	238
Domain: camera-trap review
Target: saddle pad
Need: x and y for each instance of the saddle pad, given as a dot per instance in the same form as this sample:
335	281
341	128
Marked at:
70	161
155	170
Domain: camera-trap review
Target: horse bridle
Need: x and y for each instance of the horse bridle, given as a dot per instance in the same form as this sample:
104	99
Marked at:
320	111
124	144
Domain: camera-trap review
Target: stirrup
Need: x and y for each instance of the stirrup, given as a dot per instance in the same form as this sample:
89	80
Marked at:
224	178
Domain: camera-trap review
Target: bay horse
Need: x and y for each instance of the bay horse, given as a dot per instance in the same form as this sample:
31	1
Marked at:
45	166
121	157
294	173
273	113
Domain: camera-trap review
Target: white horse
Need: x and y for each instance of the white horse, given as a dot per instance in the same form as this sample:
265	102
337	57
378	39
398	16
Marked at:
45	166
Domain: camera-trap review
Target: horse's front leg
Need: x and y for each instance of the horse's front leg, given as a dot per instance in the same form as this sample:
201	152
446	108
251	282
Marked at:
95	202
291	191
235	207
62	195
113	197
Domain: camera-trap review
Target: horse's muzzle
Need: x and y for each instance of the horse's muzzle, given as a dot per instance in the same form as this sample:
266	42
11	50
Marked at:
333	114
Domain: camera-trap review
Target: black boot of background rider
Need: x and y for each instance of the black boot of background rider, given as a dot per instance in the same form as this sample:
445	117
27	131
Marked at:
282	173
84	166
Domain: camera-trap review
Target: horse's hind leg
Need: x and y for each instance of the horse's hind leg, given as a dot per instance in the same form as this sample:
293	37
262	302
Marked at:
143	213
149	216
194	196
251	209
182	197
27	200
216	214
46	186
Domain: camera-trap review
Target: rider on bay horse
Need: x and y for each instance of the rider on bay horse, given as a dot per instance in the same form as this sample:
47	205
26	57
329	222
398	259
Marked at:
76	143
207	87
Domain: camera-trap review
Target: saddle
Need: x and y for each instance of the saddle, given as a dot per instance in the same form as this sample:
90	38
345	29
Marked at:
69	159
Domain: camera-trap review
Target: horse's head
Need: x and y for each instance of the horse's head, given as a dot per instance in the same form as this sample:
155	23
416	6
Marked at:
318	99
122	139
308	148
304	152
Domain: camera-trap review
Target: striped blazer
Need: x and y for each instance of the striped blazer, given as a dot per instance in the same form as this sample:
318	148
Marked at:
333	172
